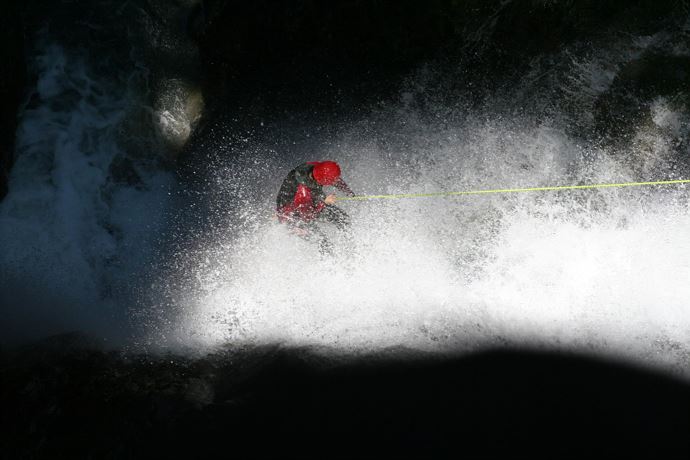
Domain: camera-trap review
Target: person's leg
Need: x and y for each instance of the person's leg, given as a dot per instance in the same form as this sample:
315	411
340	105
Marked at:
314	234
337	216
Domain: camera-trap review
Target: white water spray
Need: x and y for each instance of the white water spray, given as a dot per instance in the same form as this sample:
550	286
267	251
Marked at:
600	271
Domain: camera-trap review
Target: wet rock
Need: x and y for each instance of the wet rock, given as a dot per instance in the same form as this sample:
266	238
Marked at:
61	399
310	47
630	100
199	392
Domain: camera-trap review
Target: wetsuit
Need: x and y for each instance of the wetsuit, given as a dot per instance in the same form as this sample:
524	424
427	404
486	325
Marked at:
300	204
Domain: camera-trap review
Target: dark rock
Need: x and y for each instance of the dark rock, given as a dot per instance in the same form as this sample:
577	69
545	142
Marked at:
311	52
199	392
277	403
628	101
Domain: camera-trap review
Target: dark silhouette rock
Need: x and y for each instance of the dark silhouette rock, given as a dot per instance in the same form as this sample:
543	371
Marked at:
628	102
276	403
306	47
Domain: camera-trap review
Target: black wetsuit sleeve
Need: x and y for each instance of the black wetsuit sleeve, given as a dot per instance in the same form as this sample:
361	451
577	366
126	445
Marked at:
343	187
287	190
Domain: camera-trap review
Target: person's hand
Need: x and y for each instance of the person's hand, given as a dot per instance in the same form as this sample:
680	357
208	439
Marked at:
330	199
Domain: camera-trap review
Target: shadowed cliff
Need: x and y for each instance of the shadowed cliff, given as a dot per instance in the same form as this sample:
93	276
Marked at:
65	398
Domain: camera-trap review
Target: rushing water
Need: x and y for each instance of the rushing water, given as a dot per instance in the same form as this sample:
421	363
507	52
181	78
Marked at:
82	214
600	270
88	221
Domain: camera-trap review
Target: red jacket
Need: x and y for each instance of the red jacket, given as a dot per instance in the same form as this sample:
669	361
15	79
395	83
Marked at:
300	197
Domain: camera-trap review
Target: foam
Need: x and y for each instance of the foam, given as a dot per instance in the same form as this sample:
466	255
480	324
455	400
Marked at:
600	271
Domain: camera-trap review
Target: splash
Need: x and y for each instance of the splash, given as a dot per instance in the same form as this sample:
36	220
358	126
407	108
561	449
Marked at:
599	271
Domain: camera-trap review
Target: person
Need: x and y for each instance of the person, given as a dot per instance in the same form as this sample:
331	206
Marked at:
302	203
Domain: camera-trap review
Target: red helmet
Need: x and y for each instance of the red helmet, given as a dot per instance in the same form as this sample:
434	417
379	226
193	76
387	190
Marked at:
326	172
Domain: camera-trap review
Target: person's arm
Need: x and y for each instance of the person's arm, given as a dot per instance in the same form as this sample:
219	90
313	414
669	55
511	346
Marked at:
343	187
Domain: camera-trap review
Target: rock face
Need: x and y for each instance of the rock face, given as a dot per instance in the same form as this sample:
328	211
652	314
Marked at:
12	83
311	44
649	79
66	398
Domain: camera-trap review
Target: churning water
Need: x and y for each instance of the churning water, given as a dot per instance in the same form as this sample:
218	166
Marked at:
82	212
603	271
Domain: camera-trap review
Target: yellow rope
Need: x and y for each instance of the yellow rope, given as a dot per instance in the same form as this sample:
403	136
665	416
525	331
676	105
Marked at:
510	190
